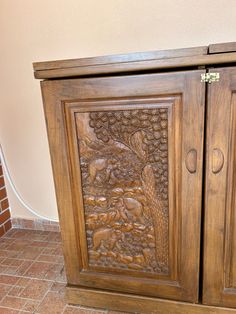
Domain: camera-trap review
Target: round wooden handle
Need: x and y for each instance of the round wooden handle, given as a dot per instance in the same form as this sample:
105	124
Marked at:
217	160
191	161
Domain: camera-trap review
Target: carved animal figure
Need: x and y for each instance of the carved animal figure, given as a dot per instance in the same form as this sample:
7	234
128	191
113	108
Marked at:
98	165
134	207
106	234
95	166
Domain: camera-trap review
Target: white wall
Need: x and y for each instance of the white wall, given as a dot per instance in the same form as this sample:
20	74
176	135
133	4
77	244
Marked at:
39	30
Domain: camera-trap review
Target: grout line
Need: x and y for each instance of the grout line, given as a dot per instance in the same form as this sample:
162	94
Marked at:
44	296
30	260
3	199
18	311
38	303
19	297
3	211
27	277
9	219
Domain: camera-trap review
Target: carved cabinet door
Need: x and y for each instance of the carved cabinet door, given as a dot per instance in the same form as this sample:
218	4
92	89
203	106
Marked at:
127	159
220	202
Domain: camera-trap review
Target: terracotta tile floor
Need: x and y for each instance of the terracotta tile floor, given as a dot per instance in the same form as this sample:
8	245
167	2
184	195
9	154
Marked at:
32	277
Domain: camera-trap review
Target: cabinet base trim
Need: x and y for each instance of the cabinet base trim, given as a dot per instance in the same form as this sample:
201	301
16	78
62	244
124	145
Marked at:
138	304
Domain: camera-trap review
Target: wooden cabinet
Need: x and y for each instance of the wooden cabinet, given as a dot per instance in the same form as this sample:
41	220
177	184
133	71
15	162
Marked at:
136	171
220	207
132	150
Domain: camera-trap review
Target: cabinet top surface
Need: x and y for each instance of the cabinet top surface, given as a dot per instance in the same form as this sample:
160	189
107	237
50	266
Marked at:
139	61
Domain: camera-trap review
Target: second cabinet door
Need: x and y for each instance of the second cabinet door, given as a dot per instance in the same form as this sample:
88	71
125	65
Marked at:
220	198
127	159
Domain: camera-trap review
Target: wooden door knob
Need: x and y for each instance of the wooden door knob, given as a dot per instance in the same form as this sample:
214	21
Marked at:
217	160
191	161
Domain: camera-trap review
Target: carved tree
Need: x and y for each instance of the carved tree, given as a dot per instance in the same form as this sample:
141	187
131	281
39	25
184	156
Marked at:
145	133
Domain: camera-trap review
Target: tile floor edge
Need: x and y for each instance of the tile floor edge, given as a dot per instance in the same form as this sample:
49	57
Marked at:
35	224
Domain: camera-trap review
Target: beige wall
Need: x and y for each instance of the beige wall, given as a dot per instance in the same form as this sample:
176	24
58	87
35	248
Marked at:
37	30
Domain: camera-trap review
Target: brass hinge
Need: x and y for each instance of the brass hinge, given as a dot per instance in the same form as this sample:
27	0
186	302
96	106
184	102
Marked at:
210	77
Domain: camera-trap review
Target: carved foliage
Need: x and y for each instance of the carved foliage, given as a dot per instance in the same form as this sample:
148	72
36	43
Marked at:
124	165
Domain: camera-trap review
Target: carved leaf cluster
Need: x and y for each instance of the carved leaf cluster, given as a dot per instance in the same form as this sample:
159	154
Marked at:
125	188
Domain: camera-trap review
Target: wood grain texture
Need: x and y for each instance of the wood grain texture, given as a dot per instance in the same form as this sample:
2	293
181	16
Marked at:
120	58
222	47
191	161
183	95
137	304
134	66
61	173
220	208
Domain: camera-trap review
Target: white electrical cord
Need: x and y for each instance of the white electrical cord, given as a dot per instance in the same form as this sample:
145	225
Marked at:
21	200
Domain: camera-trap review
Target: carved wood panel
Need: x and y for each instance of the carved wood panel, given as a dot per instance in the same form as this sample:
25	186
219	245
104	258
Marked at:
124	167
